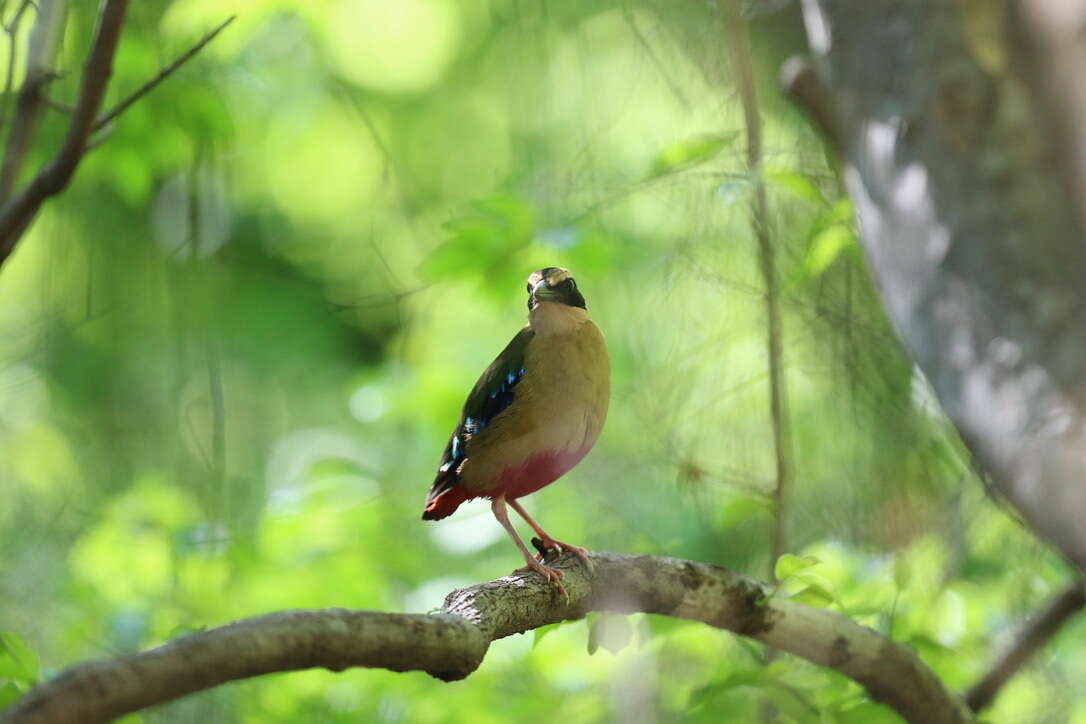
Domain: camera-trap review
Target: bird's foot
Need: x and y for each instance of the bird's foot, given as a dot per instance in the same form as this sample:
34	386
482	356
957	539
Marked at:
551	574
545	544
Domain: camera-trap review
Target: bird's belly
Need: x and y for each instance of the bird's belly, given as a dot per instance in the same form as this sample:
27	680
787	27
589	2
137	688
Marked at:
536	471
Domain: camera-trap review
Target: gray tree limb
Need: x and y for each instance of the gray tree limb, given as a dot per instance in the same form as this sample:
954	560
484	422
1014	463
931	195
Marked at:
1029	641
968	213
451	644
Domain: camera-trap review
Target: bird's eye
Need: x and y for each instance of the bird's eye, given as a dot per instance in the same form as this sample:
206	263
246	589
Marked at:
529	285
572	284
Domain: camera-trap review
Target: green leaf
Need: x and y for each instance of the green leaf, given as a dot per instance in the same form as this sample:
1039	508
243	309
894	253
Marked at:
735	678
487	235
818	589
788	565
743	509
9	694
17	661
826	246
841	211
797	184
542	631
813	595
690	151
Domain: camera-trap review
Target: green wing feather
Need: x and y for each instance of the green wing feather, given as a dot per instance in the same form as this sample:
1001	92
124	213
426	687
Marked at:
493	393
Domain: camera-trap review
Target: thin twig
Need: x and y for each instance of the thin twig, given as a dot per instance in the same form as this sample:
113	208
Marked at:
739	42
12	31
18	211
40	53
163	74
1035	635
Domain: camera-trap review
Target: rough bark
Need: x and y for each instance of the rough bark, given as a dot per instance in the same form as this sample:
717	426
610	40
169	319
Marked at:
452	643
966	202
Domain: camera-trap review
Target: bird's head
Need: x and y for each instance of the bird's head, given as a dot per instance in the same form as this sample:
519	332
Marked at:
553	284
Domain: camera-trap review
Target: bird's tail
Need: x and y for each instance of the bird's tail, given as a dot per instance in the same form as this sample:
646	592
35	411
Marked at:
443	501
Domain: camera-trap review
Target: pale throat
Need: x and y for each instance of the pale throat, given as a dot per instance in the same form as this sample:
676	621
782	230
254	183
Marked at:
553	318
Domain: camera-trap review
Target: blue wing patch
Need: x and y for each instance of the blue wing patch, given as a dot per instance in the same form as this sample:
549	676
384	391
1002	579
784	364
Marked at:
492	394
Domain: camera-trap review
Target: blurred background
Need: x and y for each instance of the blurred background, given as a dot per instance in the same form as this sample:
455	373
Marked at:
233	350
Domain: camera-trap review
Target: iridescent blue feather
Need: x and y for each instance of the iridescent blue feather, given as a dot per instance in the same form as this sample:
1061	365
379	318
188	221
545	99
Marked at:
492	394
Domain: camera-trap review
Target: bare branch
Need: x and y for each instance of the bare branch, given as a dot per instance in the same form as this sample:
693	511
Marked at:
17	212
11	29
163	74
1032	637
451	644
44	39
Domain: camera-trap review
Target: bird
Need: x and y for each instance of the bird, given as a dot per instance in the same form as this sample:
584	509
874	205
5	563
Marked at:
535	412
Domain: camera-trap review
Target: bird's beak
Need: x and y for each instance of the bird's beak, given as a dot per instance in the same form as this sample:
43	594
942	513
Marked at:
541	291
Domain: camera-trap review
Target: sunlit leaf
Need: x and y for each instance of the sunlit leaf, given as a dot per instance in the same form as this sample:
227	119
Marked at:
9	694
826	246
788	565
797	184
542	631
735	678
485	237
17	660
813	595
744	508
690	151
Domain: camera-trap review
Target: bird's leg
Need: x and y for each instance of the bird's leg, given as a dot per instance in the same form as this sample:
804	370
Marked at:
549	542
551	574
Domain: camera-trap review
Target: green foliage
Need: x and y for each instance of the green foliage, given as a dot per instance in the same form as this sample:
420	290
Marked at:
795	575
17	660
19	667
832	233
689	152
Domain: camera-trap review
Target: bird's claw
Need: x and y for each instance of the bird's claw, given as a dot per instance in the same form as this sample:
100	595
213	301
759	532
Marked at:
551	574
545	544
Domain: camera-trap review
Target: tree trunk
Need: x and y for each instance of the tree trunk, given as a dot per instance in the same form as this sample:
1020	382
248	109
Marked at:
964	180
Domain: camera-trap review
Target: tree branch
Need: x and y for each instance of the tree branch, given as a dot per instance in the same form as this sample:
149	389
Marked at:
40	56
800	83
11	29
17	212
970	225
451	644
162	75
780	422
1032	637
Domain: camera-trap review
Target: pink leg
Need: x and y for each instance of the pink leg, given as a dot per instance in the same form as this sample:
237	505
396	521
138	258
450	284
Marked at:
551	574
549	542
